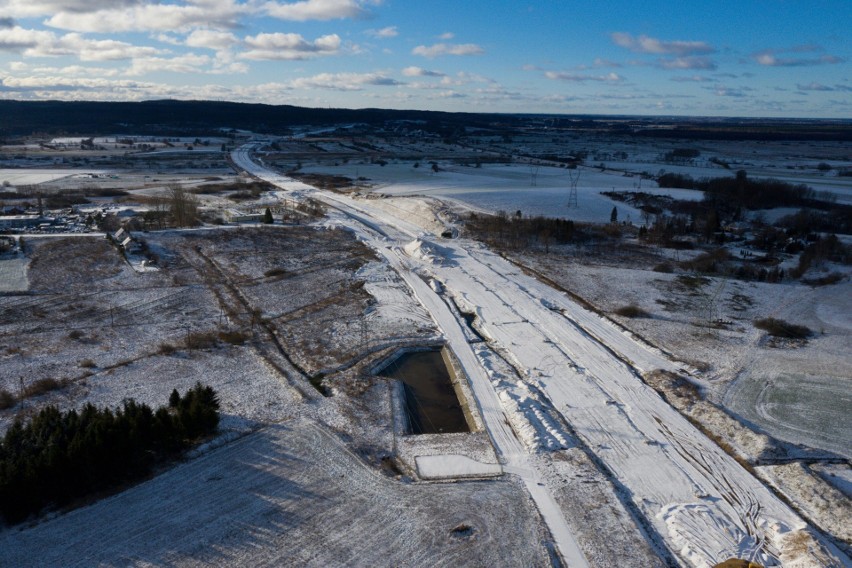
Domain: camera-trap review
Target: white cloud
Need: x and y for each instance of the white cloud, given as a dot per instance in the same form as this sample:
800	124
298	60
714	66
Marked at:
687	63
189	63
693	79
814	86
645	44
316	10
39	43
29	8
446	36
383	33
575	78
414	71
211	39
291	47
463	78
221	14
439	49
769	59
600	62
343	81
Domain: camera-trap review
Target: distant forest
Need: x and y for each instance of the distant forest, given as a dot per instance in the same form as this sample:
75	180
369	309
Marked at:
195	118
206	118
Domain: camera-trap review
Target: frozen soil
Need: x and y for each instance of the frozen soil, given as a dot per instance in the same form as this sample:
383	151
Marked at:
289	494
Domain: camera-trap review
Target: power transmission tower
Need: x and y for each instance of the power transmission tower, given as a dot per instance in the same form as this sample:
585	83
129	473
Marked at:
573	178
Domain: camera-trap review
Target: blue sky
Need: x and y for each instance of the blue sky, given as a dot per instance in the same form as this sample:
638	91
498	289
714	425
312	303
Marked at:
748	58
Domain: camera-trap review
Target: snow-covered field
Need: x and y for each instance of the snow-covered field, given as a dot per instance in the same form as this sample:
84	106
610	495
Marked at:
13	274
506	187
290	494
23	177
600	467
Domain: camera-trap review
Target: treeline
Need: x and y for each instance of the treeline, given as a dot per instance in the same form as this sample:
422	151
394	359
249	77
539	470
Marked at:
198	118
741	191
517	231
61	456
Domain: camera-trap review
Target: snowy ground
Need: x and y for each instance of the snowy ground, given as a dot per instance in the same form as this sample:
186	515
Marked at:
23	177
617	476
13	273
289	494
703	504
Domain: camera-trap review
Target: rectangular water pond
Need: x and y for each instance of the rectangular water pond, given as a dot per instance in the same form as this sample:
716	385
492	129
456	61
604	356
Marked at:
430	400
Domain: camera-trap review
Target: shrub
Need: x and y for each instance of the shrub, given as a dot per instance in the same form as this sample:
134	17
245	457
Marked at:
7	399
166	349
632	311
201	340
75	334
272	272
707	262
665	267
87	364
42	386
781	328
233	337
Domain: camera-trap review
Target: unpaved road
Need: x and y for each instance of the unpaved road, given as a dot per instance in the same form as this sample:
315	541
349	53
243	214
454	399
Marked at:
705	506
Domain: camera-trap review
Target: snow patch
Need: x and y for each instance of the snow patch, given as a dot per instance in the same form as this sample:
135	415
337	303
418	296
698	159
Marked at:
450	466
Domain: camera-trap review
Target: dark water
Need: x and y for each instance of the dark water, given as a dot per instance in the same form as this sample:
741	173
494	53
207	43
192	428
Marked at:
430	401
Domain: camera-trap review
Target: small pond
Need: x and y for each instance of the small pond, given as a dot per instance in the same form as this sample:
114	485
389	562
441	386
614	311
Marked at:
430	400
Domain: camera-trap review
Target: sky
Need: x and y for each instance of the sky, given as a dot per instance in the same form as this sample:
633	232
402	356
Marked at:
753	58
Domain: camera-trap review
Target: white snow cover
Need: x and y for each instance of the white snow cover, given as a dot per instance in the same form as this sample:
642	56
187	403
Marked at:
704	504
452	466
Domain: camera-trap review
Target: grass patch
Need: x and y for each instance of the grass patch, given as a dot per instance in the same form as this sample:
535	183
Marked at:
781	328
692	282
632	311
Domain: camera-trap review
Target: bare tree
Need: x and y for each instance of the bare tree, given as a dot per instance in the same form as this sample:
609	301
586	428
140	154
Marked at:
183	206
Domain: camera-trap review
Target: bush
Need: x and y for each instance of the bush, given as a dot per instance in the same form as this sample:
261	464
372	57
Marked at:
781	328
201	340
707	262
87	364
272	272
166	349
42	386
7	399
632	311
665	267
233	337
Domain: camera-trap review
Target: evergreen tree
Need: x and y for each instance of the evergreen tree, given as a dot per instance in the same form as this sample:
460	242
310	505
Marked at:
267	216
613	217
